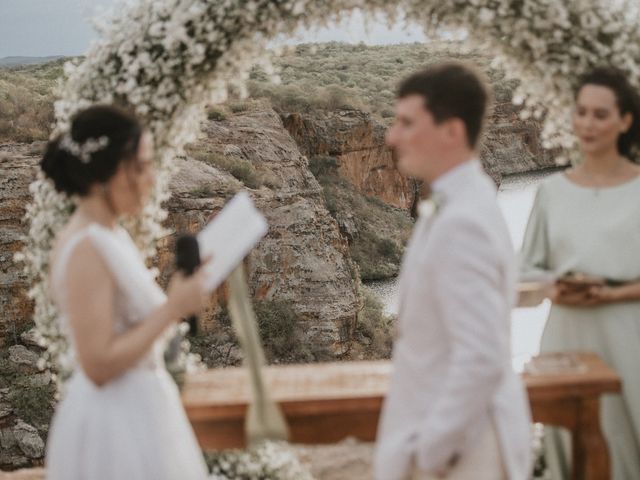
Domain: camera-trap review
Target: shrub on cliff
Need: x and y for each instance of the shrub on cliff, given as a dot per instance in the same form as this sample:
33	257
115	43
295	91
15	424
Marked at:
282	335
307	97
333	76
374	328
30	399
241	169
376	231
26	101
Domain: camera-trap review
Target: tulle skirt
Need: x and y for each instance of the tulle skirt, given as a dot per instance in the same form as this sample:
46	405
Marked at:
133	428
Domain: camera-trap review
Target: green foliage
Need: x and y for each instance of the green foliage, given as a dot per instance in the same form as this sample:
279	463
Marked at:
388	248
216	114
238	107
30	401
375	328
381	230
281	333
325	76
374	253
279	329
26	101
244	171
202	191
241	169
306	97
323	166
216	348
334	75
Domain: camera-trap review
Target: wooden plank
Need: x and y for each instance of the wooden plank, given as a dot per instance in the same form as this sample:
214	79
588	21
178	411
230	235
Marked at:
328	388
25	474
324	403
594	378
313	389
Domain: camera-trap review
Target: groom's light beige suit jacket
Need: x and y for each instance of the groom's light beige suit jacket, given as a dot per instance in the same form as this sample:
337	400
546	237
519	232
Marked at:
452	356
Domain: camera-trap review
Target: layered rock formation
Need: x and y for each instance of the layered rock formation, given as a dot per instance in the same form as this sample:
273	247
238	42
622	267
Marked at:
303	260
18	166
26	404
356	139
511	145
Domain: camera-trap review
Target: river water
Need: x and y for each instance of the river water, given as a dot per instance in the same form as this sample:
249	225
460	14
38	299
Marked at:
515	198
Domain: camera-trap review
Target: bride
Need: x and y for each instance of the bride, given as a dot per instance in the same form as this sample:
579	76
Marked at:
121	417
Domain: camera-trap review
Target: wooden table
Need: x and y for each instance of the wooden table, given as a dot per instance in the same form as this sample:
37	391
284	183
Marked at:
572	400
324	403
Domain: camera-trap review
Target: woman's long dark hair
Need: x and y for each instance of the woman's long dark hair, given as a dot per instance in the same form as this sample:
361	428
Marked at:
74	175
627	100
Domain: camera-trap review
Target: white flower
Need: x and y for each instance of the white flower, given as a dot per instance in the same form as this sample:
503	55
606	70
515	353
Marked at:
426	208
486	16
429	207
84	150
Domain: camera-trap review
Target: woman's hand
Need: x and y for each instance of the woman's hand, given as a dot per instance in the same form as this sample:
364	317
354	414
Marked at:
604	295
187	295
587	297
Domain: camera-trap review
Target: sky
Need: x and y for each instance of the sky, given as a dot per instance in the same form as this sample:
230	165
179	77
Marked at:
39	28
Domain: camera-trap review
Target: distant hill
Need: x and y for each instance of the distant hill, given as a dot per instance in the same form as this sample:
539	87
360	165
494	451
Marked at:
314	77
21	61
26	100
334	76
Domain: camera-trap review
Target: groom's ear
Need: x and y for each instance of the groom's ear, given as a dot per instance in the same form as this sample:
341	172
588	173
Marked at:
454	132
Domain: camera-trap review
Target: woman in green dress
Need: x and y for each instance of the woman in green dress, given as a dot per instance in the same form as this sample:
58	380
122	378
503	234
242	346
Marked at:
586	220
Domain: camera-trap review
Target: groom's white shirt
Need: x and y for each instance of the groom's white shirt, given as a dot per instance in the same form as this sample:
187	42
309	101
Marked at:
452	356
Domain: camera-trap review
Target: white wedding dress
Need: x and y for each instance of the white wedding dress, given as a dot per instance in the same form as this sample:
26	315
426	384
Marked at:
134	427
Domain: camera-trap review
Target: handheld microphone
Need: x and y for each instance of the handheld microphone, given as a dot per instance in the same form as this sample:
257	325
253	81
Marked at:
187	260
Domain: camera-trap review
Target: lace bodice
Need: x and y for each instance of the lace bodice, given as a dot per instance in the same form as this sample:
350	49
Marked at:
137	293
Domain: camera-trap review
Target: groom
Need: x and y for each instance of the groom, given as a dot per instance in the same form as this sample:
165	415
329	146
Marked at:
455	408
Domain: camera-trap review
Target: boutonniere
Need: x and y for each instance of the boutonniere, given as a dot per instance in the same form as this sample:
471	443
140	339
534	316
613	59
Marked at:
430	207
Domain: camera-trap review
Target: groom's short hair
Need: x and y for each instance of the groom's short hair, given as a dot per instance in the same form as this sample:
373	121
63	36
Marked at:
451	90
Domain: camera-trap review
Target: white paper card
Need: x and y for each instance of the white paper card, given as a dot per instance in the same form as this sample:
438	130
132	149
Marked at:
230	236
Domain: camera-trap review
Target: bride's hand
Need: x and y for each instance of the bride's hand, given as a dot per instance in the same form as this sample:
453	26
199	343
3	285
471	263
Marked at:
188	295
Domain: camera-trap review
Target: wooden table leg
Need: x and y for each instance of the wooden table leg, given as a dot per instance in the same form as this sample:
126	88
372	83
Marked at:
590	452
581	416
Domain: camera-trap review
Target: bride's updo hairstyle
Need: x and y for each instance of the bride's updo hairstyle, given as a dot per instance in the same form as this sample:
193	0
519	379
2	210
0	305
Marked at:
101	138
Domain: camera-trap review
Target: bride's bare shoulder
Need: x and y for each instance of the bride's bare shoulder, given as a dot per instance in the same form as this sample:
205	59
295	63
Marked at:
62	238
83	252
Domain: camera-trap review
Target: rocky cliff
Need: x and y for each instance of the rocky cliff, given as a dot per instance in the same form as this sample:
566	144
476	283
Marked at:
512	145
356	139
18	166
303	260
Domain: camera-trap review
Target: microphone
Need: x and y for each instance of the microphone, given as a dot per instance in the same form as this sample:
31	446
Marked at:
187	260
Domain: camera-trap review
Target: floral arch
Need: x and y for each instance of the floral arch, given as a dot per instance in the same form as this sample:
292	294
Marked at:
168	58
